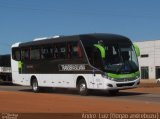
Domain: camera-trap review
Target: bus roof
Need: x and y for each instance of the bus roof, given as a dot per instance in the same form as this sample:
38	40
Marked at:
86	37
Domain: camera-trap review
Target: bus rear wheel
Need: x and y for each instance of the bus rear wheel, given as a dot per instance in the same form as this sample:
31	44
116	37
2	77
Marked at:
82	88
35	86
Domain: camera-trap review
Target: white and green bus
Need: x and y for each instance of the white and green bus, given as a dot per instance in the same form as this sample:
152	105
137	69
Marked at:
86	62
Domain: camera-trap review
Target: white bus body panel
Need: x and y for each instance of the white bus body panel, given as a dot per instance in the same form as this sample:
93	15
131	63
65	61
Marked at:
67	80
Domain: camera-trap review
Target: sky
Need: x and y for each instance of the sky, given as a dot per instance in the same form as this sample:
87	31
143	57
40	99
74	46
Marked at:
25	20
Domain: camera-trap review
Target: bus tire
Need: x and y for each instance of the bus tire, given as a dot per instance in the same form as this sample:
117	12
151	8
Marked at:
82	88
35	87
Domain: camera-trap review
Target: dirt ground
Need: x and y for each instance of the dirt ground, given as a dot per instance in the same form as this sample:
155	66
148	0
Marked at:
149	83
28	102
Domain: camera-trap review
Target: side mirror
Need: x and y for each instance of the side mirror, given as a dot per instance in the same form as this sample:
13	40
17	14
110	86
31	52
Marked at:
137	49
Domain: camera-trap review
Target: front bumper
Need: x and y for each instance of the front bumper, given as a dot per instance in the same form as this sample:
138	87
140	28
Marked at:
113	85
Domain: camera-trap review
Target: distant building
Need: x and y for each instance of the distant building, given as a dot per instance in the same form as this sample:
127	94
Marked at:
149	60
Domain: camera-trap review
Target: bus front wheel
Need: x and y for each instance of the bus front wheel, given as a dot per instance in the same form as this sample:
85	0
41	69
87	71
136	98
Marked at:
82	88
35	86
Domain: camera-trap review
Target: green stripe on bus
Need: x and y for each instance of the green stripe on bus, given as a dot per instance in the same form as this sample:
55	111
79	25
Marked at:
137	50
102	50
19	64
131	75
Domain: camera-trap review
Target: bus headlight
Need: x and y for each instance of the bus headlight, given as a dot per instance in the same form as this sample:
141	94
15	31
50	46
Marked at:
110	78
104	75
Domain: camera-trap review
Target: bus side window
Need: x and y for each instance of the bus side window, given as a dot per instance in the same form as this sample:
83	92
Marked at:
79	51
25	54
74	50
35	54
59	51
16	54
62	51
47	52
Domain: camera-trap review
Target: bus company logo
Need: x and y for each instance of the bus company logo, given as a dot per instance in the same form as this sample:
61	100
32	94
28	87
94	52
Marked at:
72	67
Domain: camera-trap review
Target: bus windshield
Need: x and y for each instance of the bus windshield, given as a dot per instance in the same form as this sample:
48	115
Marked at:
120	58
110	56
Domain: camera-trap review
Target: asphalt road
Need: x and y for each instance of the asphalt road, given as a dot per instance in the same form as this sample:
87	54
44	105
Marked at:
144	96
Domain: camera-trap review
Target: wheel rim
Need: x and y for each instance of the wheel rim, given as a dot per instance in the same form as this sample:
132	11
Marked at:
82	87
35	86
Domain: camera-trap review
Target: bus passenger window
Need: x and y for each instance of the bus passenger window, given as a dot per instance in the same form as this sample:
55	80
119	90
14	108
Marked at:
16	54
59	51
35	54
79	51
25	54
47	52
74	50
62	52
